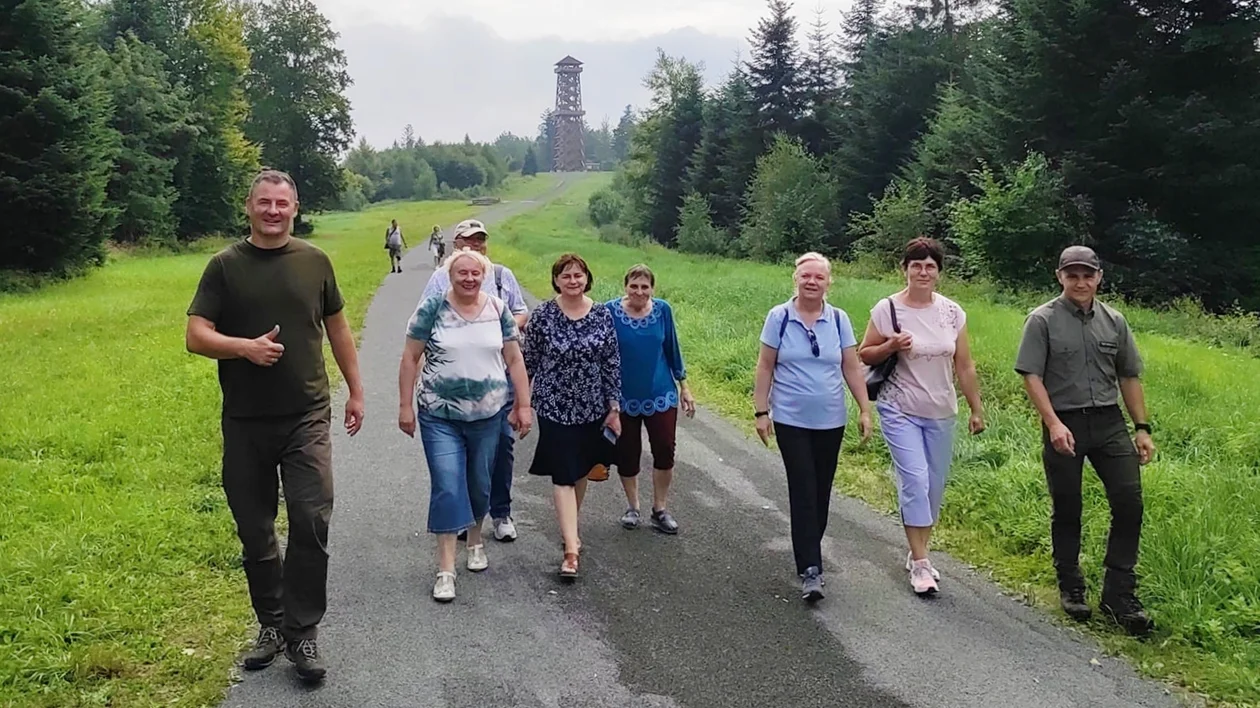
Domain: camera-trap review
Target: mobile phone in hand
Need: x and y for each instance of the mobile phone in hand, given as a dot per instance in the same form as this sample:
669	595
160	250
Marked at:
609	435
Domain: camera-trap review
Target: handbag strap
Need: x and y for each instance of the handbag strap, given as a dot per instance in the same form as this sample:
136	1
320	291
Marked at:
892	310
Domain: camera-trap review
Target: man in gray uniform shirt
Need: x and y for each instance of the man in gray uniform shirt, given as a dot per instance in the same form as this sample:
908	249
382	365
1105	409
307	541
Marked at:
1077	358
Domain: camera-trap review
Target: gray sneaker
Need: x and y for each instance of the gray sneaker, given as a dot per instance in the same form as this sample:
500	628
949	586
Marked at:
812	584
630	519
504	530
266	648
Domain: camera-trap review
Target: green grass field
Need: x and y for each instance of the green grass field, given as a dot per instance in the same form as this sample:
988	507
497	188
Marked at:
120	581
1201	579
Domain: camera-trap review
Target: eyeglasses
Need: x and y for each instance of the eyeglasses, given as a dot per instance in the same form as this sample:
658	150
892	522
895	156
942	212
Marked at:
813	342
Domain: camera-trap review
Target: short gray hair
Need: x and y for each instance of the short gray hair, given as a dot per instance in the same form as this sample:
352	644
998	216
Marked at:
267	174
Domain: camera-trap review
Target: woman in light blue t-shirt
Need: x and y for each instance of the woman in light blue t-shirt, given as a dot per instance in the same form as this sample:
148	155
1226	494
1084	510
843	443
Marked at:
808	355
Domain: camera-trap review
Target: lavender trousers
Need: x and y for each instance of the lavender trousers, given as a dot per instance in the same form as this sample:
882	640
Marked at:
922	449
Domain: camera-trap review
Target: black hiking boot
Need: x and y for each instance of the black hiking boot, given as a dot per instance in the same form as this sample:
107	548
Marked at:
304	654
1073	603
266	648
1125	609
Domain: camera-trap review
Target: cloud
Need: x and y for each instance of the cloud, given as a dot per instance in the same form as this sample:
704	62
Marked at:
457	76
588	20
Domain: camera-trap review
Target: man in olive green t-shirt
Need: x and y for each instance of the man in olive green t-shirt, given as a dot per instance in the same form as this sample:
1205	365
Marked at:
1077	358
262	309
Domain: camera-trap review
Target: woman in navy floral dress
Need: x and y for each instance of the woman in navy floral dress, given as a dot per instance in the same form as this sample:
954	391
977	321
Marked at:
575	368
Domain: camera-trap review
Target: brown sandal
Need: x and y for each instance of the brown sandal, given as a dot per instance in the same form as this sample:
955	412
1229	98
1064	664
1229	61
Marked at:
569	567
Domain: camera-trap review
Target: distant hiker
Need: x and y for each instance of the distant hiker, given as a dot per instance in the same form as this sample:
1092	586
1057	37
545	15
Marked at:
925	333
467	339
653	385
437	246
572	358
395	242
262	309
500	282
1077	358
808	354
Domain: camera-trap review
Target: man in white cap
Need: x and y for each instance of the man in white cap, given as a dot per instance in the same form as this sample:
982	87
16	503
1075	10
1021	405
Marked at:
1078	357
472	234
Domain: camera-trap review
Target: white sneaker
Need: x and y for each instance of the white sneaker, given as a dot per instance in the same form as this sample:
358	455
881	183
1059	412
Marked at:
504	530
444	588
477	560
936	574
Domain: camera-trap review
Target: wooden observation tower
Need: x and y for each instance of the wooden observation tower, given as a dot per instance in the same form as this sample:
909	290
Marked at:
570	151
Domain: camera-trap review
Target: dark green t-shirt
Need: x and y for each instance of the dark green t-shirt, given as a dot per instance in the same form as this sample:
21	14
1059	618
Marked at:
245	291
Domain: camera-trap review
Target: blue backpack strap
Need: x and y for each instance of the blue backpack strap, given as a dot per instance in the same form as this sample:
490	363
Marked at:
783	326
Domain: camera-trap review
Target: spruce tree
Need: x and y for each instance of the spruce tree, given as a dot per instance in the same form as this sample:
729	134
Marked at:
774	72
530	165
152	117
56	146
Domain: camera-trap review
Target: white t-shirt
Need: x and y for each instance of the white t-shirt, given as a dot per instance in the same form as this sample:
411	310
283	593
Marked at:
463	376
922	383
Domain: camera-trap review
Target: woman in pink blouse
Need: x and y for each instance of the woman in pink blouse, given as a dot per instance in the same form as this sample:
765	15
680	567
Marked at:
918	404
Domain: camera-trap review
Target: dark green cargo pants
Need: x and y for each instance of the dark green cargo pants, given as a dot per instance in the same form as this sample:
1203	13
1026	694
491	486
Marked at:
1102	437
291	593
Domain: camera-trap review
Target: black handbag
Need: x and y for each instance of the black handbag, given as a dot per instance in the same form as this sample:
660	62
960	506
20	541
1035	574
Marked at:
878	374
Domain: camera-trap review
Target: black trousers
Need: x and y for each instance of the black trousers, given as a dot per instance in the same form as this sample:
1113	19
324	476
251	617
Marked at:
809	457
1102	437
290	594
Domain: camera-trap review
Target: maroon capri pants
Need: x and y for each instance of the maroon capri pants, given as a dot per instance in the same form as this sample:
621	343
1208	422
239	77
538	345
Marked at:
661	428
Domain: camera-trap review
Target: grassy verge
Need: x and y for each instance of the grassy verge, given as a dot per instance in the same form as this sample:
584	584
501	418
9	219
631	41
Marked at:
1201	538
119	570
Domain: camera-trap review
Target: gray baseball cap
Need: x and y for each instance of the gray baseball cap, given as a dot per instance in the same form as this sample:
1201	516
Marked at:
471	227
1079	256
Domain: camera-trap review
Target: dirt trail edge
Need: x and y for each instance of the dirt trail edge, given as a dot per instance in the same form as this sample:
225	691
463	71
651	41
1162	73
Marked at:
711	617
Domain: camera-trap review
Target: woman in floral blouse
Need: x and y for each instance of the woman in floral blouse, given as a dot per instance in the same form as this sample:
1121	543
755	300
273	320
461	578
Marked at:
572	357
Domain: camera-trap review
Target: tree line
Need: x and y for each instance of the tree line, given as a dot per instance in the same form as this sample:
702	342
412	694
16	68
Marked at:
412	169
1007	129
143	121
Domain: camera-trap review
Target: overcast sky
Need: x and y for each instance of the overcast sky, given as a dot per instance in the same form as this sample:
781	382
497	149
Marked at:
483	67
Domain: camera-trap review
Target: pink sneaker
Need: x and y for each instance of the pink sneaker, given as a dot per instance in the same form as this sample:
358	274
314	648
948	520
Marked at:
921	577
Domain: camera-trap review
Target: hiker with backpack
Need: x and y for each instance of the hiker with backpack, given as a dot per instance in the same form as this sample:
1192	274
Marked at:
395	243
437	246
472	235
808	355
916	345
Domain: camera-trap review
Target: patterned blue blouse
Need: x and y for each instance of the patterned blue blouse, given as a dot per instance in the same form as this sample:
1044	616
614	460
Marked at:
573	365
651	361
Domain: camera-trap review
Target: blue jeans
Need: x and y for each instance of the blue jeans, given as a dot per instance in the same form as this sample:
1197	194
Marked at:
501	479
460	456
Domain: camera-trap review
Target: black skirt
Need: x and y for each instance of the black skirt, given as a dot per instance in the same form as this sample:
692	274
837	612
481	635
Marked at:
566	453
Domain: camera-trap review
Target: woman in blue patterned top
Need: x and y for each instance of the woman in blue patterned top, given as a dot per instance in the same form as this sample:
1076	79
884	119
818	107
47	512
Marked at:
571	355
653	385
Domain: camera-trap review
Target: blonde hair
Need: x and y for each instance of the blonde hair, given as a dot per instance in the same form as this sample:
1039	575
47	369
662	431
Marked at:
486	265
813	256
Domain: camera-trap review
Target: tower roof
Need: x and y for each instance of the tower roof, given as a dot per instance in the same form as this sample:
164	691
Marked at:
568	60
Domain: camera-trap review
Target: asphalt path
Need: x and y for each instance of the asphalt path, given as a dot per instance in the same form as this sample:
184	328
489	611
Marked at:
711	617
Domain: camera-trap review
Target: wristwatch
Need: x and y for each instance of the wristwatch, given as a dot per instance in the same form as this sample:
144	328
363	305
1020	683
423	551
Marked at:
1142	427
759	414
